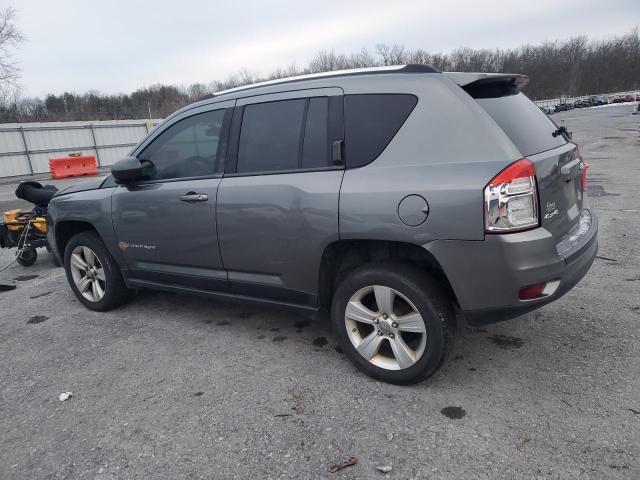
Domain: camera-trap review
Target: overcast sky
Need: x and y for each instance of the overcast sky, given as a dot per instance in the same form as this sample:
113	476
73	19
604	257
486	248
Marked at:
120	45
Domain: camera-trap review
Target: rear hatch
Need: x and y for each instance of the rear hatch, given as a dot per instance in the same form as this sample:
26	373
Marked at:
556	159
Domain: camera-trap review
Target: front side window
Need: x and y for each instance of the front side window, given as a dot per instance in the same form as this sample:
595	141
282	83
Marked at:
188	148
284	135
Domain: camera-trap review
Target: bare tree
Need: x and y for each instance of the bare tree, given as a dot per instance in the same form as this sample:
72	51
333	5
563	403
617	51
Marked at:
10	37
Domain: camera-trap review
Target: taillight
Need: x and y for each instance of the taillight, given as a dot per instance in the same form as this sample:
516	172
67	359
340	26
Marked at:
584	166
511	199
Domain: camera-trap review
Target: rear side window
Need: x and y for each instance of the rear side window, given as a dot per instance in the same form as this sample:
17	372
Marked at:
315	150
270	136
371	122
284	135
528	128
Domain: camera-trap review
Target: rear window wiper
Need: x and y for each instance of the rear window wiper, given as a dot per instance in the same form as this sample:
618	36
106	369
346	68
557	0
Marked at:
562	131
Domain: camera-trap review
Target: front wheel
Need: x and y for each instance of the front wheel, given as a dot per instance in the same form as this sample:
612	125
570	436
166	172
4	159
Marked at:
393	321
93	274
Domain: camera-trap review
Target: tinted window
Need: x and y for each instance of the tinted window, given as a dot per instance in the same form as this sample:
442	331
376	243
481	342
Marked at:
186	149
371	122
528	128
315	152
270	136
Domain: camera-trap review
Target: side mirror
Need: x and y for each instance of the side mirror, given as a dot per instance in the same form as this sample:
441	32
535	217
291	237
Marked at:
126	170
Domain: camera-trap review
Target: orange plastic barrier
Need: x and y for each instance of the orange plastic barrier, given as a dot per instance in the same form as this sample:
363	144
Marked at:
72	166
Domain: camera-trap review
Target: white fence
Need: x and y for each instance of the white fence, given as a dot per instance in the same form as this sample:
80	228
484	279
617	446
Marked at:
25	148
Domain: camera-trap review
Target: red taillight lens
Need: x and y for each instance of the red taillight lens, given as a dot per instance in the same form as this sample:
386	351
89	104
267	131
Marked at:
521	169
584	166
511	199
531	291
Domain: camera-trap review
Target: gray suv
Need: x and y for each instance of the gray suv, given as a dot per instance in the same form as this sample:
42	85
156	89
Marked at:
399	199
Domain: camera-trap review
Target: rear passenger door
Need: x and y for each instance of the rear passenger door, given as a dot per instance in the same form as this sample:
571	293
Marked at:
277	204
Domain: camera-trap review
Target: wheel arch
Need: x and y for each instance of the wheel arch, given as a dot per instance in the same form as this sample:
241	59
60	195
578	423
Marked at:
66	229
341	257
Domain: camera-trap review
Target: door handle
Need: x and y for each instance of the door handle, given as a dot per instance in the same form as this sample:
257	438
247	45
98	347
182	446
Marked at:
194	197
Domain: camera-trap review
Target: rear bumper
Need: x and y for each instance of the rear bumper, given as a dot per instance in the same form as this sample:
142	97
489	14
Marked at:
486	276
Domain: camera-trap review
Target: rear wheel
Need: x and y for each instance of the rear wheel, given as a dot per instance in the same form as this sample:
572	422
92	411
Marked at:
27	256
393	322
93	274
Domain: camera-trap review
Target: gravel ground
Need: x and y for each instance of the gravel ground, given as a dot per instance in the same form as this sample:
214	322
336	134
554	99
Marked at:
181	387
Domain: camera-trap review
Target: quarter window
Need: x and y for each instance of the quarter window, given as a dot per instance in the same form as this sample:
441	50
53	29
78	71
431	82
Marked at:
188	148
371	121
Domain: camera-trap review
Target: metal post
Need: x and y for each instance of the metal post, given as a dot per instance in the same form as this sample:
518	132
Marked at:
95	144
26	149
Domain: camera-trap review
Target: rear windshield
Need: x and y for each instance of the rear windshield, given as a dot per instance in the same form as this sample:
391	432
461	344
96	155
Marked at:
527	127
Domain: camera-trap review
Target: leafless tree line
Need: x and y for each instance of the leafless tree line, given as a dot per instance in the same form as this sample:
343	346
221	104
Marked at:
573	67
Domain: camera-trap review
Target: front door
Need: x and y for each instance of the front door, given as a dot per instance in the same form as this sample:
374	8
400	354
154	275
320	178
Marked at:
165	223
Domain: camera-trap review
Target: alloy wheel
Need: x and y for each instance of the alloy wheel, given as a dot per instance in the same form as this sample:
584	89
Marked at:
385	327
87	273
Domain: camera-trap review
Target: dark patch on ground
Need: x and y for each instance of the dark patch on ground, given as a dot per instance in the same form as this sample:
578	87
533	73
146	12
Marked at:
476	330
599	191
198	394
243	315
40	295
454	413
260	337
24	278
614	138
37	319
320	341
302	324
458	357
635	308
633	410
275	329
472	369
208	321
296	402
506	342
279	339
632	279
224	322
338	349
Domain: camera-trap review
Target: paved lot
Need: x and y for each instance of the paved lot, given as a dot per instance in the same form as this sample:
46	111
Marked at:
181	387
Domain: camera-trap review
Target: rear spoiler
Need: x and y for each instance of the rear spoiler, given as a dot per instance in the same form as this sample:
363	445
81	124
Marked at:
489	85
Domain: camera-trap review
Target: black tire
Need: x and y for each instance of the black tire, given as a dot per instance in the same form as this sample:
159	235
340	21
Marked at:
115	290
27	257
430	301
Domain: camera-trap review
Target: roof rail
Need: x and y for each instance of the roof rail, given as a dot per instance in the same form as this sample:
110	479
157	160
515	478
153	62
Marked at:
409	68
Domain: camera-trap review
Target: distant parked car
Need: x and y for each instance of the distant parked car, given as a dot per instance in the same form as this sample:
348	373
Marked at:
597	100
584	103
623	98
